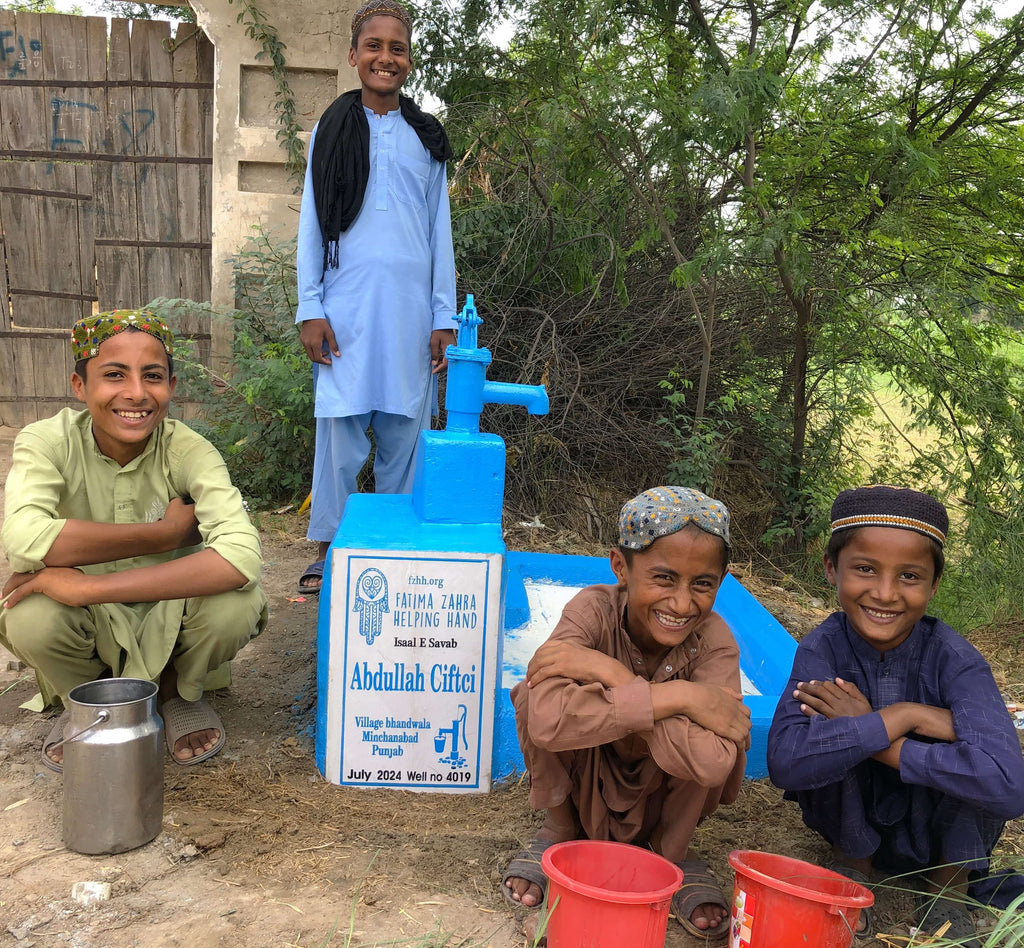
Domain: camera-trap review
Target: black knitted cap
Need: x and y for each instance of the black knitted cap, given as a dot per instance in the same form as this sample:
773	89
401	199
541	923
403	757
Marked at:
884	506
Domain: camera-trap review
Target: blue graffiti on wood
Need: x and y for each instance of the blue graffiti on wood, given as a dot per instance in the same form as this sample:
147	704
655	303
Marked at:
148	117
144	118
66	107
68	113
14	52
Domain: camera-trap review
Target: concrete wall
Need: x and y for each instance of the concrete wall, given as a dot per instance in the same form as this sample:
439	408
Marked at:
250	184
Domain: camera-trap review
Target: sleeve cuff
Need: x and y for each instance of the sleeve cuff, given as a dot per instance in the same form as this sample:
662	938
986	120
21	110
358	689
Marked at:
874	736
445	321
913	761
309	309
30	558
244	557
634	709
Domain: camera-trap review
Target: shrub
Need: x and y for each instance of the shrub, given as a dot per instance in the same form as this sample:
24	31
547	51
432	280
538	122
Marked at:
260	417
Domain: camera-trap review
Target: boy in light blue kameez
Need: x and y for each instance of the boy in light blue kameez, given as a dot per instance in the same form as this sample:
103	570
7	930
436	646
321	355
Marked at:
376	274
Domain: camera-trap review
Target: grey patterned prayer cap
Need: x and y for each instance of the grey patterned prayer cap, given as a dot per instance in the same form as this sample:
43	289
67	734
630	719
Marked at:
661	511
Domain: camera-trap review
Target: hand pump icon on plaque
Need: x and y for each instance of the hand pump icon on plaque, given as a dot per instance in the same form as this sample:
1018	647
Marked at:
454	759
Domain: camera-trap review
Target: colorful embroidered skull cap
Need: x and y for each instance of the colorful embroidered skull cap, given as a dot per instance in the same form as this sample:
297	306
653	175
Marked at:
87	334
883	506
661	511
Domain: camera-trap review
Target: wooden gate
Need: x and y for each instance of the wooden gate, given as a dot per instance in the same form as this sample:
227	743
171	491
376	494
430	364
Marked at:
105	172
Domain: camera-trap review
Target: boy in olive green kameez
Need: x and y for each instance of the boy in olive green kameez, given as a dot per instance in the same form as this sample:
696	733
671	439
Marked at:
132	552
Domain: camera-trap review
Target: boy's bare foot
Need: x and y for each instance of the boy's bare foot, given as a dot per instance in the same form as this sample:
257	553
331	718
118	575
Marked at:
561	823
192	729
53	747
197	728
196	743
526	889
708	916
525	892
700	905
312	578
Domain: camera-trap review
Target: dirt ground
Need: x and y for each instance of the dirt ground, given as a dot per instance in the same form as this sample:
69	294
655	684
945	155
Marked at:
258	850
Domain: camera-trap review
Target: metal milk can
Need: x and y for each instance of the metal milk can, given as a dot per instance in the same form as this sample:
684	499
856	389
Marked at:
113	766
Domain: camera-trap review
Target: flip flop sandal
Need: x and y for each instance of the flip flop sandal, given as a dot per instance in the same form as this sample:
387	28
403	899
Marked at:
699	887
313	571
527	866
867	915
933	911
56	736
183	717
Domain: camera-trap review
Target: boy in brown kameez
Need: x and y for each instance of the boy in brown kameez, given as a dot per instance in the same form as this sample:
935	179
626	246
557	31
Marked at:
630	719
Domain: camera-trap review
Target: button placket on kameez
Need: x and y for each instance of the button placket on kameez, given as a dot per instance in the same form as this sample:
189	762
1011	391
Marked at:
382	129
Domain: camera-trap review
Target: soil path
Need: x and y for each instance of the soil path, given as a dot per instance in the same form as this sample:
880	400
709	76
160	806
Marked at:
257	850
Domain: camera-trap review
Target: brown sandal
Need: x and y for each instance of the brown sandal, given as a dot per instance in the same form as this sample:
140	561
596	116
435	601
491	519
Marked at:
56	736
699	887
183	717
527	866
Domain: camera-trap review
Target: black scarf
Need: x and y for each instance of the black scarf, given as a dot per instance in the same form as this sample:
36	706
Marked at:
341	161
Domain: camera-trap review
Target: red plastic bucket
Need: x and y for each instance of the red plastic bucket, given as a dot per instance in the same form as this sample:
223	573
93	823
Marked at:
607	895
780	902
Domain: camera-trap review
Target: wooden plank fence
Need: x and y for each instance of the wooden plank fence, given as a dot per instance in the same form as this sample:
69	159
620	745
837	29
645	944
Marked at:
106	147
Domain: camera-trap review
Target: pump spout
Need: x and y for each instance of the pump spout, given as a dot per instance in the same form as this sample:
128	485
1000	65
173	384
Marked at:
534	398
468	388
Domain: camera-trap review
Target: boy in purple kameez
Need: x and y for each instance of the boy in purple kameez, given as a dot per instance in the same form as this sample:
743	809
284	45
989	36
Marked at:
892	734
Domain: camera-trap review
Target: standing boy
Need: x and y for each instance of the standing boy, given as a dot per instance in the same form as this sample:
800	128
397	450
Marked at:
133	554
376	274
892	735
630	719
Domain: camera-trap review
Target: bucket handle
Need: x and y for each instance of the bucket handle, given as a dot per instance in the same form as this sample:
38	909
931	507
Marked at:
837	910
101	716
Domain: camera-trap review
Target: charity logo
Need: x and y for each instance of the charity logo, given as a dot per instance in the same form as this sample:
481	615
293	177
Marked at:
371	602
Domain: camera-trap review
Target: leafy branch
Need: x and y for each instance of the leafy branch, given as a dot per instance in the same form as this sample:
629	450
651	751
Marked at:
260	29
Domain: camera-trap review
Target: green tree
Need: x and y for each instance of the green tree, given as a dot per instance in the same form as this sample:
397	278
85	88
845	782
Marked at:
38	6
129	10
827	195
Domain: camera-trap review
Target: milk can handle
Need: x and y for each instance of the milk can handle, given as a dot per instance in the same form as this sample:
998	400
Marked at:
101	716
